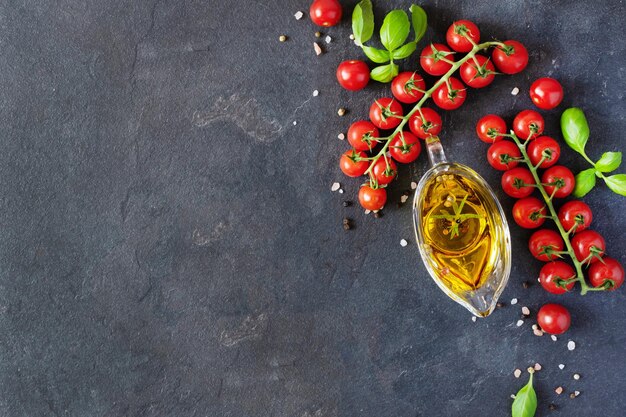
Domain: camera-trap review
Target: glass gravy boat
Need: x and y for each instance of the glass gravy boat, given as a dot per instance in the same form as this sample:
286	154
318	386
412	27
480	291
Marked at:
462	233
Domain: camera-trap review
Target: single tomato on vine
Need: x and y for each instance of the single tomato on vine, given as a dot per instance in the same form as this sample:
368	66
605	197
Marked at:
609	272
529	212
325	12
362	135
589	246
561	181
386	113
478	73
518	182
460	33
554	318
510	58
385	170
436	59
372	198
575	216
528	124
425	122
490	128
408	87
450	95
544	147
405	147
353	75
353	164
503	155
543	243
546	93
553	275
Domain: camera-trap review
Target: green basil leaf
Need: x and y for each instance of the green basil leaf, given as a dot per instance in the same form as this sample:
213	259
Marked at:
617	183
363	21
395	29
525	403
609	161
384	73
575	129
585	181
379	56
404	51
420	21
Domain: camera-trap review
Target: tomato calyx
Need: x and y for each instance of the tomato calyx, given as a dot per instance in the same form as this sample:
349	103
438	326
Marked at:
355	157
409	86
507	49
505	159
594	252
437	55
482	71
452	93
550	252
386	112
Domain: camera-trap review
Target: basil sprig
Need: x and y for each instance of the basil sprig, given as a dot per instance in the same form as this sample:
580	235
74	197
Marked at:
393	34
525	403
576	134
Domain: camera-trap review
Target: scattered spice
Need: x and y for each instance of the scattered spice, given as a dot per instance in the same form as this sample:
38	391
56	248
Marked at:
515	91
517	373
346	226
474	319
574	394
526	284
558	390
571	345
404	198
535	327
538	332
340	191
499	304
525	311
346	220
413	185
347	203
341	136
514	301
553	337
317	48
298	15
537	367
552	407
519	323
403	242
351	36
341	111
576	377
335	186
368	211
282	38
378	214
318	34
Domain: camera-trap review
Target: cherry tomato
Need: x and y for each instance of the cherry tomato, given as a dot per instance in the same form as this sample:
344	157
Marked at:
528	124
529	212
543	243
372	198
386	113
353	75
502	155
553	273
478	75
490	127
385	170
610	271
408	87
325	12
546	147
432	59
361	135
518	182
510	58
562	178
405	147
426	124
351	163
546	93
588	246
450	95
575	213
458	34
554	318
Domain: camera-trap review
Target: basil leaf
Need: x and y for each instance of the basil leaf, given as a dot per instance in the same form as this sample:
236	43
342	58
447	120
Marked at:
585	181
379	56
420	21
384	73
363	21
609	161
525	403
575	129
404	51
617	183
395	29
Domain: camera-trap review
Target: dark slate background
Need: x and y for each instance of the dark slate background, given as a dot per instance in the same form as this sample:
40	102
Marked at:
170	245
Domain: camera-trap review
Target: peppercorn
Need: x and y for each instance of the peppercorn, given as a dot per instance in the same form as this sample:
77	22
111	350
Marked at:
552	407
526	284
346	220
347	203
282	38
318	34
346	226
499	304
378	214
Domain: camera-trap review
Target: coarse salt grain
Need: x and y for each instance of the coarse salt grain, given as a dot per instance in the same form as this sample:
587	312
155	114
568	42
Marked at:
295	122
341	136
368	211
474	319
340	191
517	373
537	367
561	366
317	48
576	377
403	198
413	185
515	91
571	345
576	393
335	186
525	311
298	15
352	36
514	301
519	323
327	39
538	332
535	327
316	93
403	242
559	390
553	337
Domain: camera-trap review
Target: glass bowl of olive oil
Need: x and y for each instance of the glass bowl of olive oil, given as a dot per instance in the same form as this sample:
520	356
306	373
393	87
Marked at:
462	233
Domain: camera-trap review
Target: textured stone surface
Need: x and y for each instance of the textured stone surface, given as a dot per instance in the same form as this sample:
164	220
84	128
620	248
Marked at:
170	245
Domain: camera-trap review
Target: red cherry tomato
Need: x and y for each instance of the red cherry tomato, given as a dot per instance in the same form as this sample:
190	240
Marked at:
450	95
543	243
553	274
408	87
546	93
478	75
325	12
575	216
386	113
433	59
546	147
361	135
385	170
510	58
518	182
589	246
425	124
529	212
351	163
562	179
490	127
405	147
528	124
503	155
372	198
610	272
554	318
353	75
458	34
